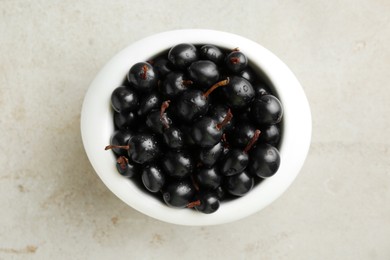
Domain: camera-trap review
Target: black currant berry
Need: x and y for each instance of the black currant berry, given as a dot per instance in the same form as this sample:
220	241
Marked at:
209	156
143	148
142	76
152	178
267	110
261	89
264	161
209	202
248	74
194	103
174	84
158	120
239	93
236	160
236	61
270	134
177	164
179	193
182	55
207	132
173	137
220	192
125	119
162	66
242	134
120	138
204	73
148	103
208	178
124	98
218	113
239	184
212	53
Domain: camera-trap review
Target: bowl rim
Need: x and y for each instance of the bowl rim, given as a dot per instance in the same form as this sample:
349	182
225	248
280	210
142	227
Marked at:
97	127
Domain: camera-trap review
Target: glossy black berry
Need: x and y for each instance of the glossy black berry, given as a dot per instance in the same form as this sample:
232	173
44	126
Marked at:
121	137
162	67
236	61
177	164
125	119
124	99
174	84
219	112
270	134
266	109
205	132
264	161
178	193
194	103
209	202
142	77
208	178
151	101
234	162
155	123
182	55
220	192
143	148
204	73
173	137
209	156
153	178
239	92
242	134
158	120
248	74
191	104
261	89
212	53
239	184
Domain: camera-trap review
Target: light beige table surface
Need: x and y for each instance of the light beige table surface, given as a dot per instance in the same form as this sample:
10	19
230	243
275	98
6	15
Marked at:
53	205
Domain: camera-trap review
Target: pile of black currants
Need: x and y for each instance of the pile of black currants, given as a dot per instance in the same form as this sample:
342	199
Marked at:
196	125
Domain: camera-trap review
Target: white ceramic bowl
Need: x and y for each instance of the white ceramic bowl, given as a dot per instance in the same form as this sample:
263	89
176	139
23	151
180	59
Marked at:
97	126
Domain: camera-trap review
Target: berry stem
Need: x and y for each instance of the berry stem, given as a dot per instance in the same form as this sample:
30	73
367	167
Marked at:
216	85
252	141
122	161
224	141
196	186
187	82
225	121
145	69
111	146
224	138
193	204
163	116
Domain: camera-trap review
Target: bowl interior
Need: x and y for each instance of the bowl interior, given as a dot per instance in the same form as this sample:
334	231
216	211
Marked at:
97	126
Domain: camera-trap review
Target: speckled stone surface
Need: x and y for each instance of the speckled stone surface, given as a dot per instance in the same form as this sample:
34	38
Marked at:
53	205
